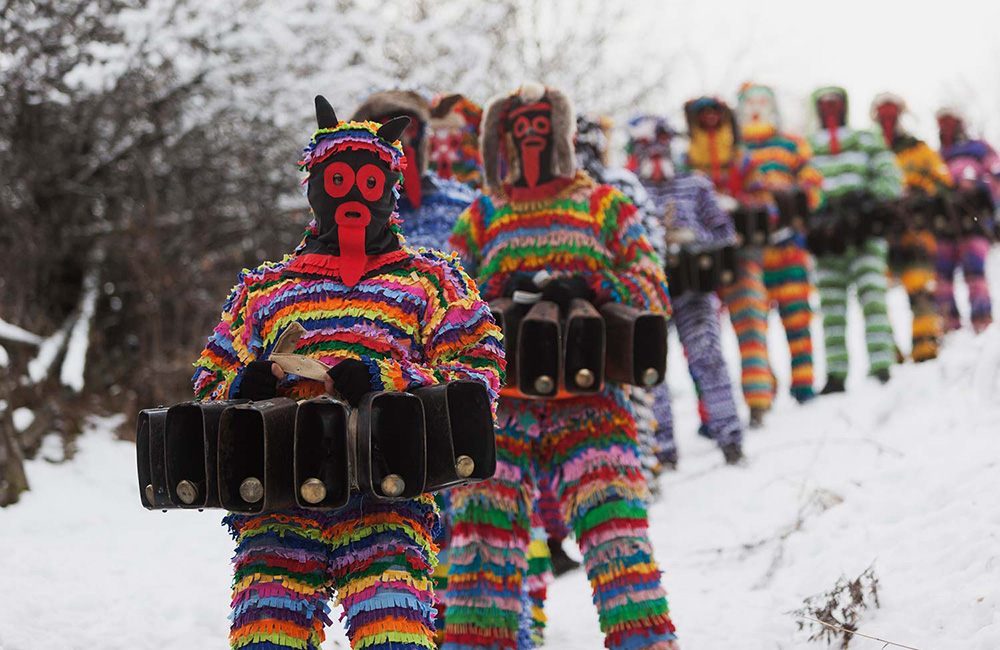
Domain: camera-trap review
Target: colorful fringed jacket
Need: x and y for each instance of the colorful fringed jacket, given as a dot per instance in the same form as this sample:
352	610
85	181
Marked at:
862	163
923	169
570	226
784	161
688	200
417	322
430	225
975	159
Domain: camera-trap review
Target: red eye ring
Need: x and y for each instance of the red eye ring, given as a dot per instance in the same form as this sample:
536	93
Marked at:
541	124
371	182
330	174
521	126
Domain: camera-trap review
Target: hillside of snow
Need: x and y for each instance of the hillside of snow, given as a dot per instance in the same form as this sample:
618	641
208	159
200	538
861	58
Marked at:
904	477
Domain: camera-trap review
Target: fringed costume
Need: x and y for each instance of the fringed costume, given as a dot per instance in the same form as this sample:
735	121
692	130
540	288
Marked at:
913	247
548	217
413	319
975	166
784	163
716	151
685	202
858	169
454	140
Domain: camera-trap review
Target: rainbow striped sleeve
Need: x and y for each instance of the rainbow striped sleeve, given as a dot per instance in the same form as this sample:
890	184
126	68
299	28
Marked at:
636	277
465	237
460	339
219	365
808	177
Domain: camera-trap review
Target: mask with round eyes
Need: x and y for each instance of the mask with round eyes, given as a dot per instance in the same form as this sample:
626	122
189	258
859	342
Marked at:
832	111
756	108
888	118
530	128
649	156
446	150
352	198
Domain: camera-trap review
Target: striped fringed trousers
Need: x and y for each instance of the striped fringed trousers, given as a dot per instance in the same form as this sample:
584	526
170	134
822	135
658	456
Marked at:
866	269
697	321
914	254
376	556
969	253
746	300
786	276
587	449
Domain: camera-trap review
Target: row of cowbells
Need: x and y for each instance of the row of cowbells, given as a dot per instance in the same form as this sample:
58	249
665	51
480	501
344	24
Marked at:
575	352
253	457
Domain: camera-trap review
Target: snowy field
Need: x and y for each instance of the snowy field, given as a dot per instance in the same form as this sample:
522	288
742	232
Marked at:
904	476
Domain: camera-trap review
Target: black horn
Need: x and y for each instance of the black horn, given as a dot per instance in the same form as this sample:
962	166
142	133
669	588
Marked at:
326	118
391	130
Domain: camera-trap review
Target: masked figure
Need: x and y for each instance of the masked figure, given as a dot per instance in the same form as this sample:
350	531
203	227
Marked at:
912	245
385	317
429	204
717	152
454	140
689	217
546	215
784	164
592	136
975	167
859	173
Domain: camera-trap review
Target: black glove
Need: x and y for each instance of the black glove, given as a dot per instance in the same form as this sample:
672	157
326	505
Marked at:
351	379
519	283
258	382
563	289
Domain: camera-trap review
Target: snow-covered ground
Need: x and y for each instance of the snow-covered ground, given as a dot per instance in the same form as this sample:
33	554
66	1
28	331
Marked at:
904	476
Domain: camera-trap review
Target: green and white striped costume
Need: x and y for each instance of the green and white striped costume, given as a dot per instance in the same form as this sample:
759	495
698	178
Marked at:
862	164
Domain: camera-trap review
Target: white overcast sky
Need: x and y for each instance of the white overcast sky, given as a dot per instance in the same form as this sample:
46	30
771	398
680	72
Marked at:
930	52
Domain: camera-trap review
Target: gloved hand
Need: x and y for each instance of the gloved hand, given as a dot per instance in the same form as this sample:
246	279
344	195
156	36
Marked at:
563	289
519	283
351	379
260	380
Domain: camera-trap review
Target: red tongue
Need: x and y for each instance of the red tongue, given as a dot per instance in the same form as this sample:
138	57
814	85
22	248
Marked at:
530	156
657	168
832	126
887	130
411	177
351	235
713	155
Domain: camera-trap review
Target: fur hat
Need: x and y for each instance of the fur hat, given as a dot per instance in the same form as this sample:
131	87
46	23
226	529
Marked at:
695	106
950	111
387	104
886	98
495	141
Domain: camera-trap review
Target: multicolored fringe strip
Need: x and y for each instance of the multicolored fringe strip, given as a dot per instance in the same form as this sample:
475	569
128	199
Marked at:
587	448
866	269
376	556
419	324
917	252
539	575
696	316
569	226
786	276
746	301
969	253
